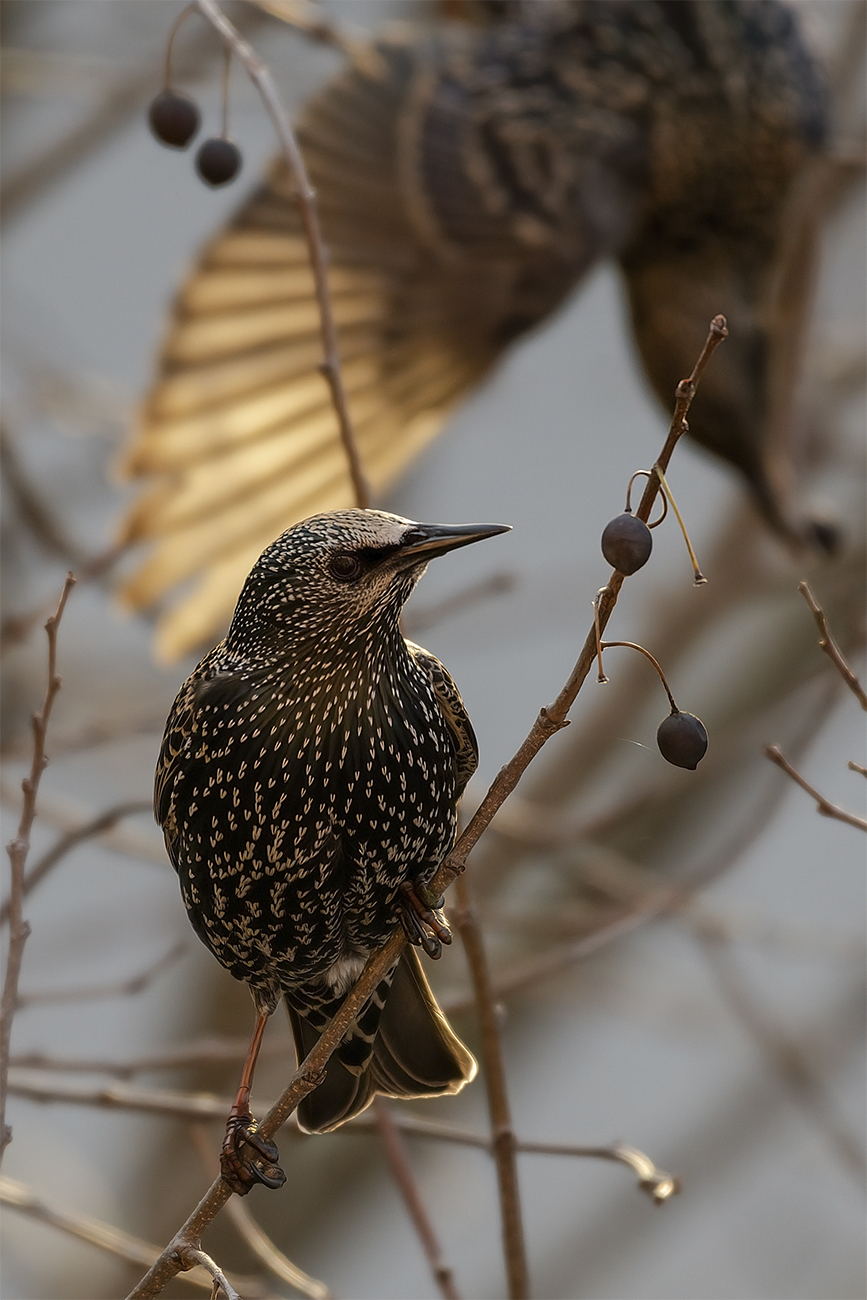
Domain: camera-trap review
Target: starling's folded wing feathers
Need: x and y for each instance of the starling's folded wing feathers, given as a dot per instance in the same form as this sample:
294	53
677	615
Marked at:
448	697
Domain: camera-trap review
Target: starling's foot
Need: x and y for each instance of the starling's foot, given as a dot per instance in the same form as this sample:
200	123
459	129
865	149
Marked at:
240	1171
422	925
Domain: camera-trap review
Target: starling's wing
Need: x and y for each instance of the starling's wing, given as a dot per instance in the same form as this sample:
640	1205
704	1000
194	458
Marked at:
169	768
457	719
205	688
457	210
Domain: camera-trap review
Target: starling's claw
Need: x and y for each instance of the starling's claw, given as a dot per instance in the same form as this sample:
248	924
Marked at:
423	926
242	1173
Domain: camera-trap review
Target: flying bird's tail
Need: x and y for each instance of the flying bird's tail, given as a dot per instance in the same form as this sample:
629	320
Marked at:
400	1046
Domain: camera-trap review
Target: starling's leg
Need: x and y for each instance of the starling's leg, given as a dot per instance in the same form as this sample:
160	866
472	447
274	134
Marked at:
423	925
238	1171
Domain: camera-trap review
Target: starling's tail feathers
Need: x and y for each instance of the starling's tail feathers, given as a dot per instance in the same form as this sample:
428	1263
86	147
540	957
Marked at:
402	1046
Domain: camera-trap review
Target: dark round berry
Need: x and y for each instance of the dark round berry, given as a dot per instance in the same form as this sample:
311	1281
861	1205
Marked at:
682	740
174	119
627	543
218	161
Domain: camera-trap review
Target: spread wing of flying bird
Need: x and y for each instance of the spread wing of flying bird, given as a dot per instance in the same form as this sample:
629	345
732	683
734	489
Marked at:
467	178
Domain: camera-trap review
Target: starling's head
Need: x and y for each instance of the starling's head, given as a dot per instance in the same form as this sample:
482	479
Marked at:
339	575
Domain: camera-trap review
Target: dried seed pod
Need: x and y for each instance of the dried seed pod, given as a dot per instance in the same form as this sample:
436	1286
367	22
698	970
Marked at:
627	543
682	739
174	119
218	161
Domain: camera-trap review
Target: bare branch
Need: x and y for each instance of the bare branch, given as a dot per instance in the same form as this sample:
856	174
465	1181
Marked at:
30	507
18	850
113	989
420	619
545	965
148	1101
205	1051
315	23
305	198
17	1196
189	1256
830	647
659	1185
104	822
502	1133
392	1142
144	843
787	1058
823	806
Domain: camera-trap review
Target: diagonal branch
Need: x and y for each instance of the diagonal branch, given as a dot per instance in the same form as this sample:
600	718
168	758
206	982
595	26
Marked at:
105	1236
106	821
823	805
830	647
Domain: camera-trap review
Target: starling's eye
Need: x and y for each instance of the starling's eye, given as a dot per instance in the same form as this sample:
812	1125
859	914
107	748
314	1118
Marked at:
344	567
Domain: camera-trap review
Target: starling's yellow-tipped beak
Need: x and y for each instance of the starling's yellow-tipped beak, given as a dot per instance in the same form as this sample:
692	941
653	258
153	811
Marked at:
425	541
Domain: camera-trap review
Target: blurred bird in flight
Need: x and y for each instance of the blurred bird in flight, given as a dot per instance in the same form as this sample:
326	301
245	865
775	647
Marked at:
468	176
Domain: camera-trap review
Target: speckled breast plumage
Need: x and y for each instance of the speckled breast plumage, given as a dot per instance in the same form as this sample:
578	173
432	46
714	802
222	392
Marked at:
302	800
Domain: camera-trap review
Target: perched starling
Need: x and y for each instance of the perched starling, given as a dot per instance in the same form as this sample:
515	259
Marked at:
307	788
468	177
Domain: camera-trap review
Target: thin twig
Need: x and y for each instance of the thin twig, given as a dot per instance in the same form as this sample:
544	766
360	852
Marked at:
470	597
32	511
18	850
305	197
785	1055
395	1151
502	1134
823	806
315	23
144	844
147	1101
17	1196
126	988
205	1051
658	1184
549	722
104	822
546	965
256	1238
190	1256
830	647
856	767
